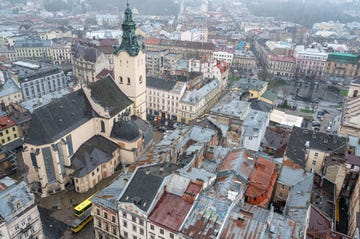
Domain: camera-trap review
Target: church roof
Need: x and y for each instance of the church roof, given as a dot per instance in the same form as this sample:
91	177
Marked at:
106	93
125	130
91	154
59	117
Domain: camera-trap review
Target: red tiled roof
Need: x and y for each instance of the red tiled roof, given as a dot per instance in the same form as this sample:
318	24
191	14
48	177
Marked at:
6	122
193	188
223	66
262	181
170	211
152	41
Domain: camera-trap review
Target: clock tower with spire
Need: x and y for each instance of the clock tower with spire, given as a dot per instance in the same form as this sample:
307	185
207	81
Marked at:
129	66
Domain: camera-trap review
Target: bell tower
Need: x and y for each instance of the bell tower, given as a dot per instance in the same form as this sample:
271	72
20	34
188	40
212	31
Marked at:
129	66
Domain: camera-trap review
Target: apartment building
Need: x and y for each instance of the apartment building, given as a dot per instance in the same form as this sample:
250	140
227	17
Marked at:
341	67
19	214
244	61
36	78
10	92
105	211
33	48
224	56
253	129
163	97
308	148
188	49
88	62
195	102
9	131
61	53
310	62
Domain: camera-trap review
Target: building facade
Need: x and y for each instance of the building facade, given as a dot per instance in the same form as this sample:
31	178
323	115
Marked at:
88	62
33	49
10	92
342	67
310	62
19	212
195	102
9	131
163	97
186	48
37	78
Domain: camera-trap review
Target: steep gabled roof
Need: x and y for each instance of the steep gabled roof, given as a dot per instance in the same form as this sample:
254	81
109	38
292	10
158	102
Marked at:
59	117
91	154
106	93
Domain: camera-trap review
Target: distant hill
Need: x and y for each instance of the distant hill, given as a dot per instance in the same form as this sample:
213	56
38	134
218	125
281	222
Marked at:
146	7
305	14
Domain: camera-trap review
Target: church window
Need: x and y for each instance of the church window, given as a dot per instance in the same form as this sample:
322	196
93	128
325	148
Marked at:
355	93
128	80
140	80
121	80
102	126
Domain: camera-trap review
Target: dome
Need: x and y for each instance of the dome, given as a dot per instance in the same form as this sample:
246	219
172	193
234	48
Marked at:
125	130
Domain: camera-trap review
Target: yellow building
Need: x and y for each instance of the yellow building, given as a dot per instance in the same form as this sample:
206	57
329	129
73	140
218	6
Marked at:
341	66
10	92
195	102
33	49
255	88
9	132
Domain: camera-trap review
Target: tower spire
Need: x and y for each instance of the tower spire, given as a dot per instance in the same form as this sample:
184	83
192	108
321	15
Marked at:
129	41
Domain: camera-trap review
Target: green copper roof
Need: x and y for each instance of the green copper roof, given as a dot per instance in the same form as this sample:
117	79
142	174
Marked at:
343	57
129	42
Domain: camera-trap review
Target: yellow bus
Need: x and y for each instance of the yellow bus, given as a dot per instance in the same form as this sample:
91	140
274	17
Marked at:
83	206
81	222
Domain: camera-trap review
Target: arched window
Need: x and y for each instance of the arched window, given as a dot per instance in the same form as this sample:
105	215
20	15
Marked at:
140	79
356	92
121	79
128	80
102	126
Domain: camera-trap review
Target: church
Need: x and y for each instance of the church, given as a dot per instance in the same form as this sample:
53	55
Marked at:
85	135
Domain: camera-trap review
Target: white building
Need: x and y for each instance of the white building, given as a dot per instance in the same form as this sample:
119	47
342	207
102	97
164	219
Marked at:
197	35
37	78
163	97
310	61
253	129
224	56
